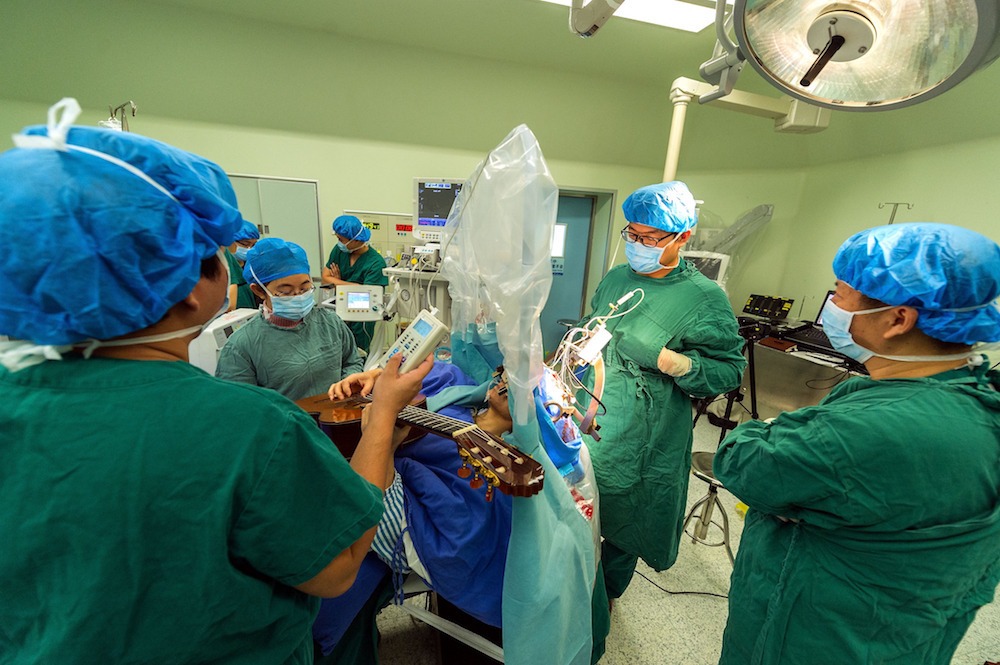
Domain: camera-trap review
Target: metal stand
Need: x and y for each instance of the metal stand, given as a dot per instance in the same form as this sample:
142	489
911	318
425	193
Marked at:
752	331
701	512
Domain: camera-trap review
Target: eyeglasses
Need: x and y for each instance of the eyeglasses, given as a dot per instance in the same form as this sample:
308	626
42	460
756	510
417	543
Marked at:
500	378
285	292
647	241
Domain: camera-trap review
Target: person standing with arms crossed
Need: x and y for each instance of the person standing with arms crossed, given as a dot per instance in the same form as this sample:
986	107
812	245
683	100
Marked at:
353	261
873	534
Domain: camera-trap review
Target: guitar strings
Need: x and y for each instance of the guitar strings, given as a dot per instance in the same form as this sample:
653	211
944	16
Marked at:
451	425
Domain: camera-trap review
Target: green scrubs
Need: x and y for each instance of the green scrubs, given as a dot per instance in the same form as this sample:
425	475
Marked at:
895	486
366	270
244	296
643	459
144	524
297	362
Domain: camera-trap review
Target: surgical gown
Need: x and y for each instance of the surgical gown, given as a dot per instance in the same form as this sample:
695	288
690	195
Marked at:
896	488
297	362
643	459
366	270
143	525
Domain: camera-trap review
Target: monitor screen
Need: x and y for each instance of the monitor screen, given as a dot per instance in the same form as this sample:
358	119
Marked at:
434	201
710	264
422	328
359	300
707	266
819	314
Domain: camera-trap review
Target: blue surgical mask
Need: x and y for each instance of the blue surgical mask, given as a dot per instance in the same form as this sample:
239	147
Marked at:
837	326
293	308
343	247
241	253
645	260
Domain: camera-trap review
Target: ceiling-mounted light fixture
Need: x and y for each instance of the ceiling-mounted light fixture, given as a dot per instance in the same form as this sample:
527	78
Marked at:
865	55
588	16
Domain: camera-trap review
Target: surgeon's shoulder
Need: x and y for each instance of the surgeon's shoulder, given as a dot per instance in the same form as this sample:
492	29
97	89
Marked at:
325	316
698	281
246	332
618	275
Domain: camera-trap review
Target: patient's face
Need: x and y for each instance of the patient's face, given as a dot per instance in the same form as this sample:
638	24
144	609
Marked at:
497	400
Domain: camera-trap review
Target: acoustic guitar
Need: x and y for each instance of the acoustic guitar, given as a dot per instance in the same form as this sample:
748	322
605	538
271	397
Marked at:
341	421
487	460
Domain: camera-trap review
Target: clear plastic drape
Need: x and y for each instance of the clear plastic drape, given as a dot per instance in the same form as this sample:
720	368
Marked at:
497	248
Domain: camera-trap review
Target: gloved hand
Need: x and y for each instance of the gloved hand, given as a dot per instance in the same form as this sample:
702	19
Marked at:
673	363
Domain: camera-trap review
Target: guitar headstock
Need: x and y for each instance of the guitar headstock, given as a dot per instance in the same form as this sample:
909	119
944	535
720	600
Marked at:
493	462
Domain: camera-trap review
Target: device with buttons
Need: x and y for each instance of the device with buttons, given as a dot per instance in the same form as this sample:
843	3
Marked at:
360	302
419	339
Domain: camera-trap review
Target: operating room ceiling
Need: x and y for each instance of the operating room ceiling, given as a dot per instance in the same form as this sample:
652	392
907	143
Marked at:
612	89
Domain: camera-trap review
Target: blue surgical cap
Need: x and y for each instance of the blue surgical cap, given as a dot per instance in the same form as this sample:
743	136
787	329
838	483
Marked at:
936	268
247	232
351	228
667	206
100	245
274	258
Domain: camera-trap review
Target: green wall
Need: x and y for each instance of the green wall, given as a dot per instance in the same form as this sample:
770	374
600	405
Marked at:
954	184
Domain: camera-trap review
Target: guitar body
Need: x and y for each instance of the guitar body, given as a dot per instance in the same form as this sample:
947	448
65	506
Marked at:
341	421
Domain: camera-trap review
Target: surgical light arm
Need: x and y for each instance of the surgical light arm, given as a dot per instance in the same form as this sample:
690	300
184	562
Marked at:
789	115
585	20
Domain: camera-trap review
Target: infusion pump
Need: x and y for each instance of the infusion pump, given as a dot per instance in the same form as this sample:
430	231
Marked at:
204	349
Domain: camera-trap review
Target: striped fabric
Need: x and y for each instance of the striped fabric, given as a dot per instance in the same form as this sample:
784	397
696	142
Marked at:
387	544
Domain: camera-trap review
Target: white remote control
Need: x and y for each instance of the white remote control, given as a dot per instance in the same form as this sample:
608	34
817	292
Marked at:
419	339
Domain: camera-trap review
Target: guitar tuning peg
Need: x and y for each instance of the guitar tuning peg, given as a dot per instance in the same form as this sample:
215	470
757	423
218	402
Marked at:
476	482
489	493
465	470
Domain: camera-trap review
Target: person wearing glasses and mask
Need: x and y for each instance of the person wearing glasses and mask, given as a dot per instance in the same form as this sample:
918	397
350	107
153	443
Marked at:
291	347
873	532
680	341
353	261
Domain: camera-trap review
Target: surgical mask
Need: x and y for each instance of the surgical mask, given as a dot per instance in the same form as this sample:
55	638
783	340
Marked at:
293	308
241	253
645	260
344	248
837	326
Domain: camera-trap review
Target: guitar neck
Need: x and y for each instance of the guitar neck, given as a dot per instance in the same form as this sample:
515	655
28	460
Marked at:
433	422
503	465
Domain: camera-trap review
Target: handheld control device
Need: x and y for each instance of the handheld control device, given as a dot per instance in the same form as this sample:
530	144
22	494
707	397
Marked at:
360	302
419	339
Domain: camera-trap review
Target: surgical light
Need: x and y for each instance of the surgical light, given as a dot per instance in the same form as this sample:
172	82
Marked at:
859	55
